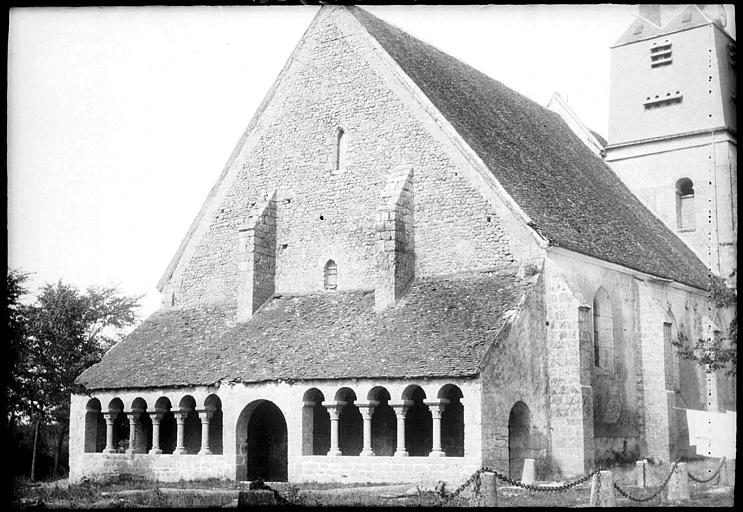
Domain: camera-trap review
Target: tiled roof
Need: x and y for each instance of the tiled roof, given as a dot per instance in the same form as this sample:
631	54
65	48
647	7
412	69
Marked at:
442	327
572	196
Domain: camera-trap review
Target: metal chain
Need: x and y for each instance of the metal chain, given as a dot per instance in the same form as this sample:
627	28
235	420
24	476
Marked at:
714	475
475	478
652	496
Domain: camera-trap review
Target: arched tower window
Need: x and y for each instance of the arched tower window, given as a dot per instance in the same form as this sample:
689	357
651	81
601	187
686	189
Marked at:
331	275
685	205
603	331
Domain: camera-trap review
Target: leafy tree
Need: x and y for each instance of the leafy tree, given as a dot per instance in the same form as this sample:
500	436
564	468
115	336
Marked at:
16	348
719	352
54	339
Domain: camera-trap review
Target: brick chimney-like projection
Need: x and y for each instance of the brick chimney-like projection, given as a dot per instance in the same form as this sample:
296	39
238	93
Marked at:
256	258
395	242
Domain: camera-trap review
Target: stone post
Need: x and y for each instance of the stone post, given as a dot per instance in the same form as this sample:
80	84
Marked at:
602	490
110	418
334	410
678	486
205	417
487	496
132	417
528	472
180	419
367	410
641	472
437	409
401	409
155	417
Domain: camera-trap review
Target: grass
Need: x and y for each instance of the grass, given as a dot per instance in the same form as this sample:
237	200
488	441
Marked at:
93	492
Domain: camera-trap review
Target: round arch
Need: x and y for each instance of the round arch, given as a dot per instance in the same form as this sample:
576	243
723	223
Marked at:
383	423
261	437
452	421
315	424
418	423
519	432
95	427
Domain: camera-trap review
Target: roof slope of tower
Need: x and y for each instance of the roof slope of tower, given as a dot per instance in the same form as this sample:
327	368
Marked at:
442	327
572	196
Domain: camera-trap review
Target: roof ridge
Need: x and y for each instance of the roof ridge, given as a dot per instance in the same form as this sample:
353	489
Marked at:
573	197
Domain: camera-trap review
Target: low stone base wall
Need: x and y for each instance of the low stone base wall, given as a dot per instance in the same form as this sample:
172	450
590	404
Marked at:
426	470
166	468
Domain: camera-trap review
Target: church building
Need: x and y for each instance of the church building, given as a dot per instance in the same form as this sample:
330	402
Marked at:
405	271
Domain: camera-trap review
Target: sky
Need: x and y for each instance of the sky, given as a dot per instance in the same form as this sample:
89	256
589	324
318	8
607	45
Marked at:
120	119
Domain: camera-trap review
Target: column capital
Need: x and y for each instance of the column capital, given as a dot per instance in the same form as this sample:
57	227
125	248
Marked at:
367	408
436	406
110	416
133	415
205	415
334	408
156	417
401	407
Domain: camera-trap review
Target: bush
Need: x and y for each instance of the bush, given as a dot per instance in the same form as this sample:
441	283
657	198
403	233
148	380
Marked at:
623	457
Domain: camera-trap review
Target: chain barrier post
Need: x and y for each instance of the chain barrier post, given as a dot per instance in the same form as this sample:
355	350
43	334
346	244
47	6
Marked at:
602	490
486	493
595	486
528	473
678	486
724	473
641	472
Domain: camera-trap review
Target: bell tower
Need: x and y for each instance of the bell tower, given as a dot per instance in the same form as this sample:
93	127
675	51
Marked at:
672	124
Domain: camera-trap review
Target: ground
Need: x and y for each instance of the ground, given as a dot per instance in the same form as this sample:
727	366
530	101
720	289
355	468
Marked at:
126	491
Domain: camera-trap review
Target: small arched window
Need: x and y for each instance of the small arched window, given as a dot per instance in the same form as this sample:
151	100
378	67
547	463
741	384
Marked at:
331	275
685	205
339	158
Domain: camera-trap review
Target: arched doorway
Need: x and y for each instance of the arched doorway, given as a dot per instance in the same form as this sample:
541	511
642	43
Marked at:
261	442
519	426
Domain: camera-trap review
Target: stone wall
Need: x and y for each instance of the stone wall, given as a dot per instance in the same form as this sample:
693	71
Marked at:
165	468
651	407
424	470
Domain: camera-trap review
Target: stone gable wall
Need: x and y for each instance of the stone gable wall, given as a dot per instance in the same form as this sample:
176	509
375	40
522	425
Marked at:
323	214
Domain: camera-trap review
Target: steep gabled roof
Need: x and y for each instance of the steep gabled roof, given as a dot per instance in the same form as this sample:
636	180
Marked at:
573	197
441	328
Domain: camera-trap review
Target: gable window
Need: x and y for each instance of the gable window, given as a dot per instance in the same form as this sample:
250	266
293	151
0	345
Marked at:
660	54
339	156
685	205
331	275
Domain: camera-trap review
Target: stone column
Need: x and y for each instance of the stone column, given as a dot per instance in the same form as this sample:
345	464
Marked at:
205	417
367	410
334	409
180	419
110	418
437	409
133	417
155	417
401	409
